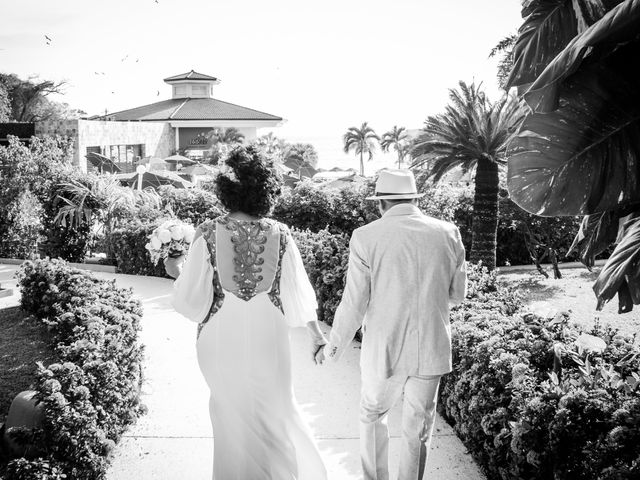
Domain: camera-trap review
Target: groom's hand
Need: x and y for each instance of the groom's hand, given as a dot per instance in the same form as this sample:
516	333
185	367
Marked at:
317	348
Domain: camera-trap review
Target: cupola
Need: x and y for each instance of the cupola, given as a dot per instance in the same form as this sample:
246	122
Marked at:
192	85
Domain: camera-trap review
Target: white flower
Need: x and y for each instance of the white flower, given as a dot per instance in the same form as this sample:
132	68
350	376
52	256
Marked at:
189	232
155	243
543	310
164	235
591	343
177	232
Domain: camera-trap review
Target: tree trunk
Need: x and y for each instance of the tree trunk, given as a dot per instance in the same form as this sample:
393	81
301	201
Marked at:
361	166
485	214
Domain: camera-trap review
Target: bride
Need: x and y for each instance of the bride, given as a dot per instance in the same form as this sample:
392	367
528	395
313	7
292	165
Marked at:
244	283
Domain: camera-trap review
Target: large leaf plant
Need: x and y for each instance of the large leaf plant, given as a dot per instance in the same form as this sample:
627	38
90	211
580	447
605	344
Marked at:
578	149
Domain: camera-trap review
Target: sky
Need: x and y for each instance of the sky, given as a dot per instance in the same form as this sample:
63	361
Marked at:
323	66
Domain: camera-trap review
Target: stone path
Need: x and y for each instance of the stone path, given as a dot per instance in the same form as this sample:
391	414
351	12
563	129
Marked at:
174	440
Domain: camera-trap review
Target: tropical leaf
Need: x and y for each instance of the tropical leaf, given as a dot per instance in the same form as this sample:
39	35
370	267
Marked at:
583	158
621	274
596	233
618	27
548	27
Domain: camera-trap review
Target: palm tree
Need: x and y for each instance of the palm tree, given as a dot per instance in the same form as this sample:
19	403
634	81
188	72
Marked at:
398	139
222	141
473	133
302	152
270	145
230	136
101	200
362	140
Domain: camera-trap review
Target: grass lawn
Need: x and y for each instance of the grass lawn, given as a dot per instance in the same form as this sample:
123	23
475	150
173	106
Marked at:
23	342
573	292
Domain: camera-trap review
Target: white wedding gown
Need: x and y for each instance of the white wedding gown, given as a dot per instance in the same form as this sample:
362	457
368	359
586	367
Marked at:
244	282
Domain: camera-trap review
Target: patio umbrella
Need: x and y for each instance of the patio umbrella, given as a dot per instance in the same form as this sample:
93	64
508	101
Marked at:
102	163
300	167
290	181
182	160
154	179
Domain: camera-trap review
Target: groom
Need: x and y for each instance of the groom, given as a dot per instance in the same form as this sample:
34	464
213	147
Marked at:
405	269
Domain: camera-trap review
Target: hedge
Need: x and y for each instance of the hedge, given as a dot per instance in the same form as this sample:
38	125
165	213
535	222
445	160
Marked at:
193	206
311	207
530	402
128	246
92	394
325	257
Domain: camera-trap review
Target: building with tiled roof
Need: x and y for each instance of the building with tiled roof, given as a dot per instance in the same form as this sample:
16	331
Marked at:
180	124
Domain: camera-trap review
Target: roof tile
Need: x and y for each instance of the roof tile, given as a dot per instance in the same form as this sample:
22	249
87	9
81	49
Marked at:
191	109
190	76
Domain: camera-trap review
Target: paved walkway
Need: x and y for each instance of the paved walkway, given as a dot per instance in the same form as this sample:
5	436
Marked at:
174	440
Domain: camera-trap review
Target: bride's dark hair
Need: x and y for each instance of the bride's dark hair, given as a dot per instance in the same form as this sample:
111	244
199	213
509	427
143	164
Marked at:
252	186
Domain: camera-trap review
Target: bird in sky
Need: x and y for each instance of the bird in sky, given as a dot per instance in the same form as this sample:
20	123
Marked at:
125	57
99	73
48	39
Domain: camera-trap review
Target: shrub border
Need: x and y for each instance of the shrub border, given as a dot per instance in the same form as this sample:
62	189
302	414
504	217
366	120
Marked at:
92	394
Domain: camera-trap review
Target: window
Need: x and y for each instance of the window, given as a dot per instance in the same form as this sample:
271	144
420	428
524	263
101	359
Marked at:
199	90
126	157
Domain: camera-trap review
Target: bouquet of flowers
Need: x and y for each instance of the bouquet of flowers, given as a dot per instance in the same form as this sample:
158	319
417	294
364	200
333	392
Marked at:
170	240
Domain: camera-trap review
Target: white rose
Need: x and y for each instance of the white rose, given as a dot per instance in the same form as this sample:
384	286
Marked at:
177	232
189	232
155	243
164	235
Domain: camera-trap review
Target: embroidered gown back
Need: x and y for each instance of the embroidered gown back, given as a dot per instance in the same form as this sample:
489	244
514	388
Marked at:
258	289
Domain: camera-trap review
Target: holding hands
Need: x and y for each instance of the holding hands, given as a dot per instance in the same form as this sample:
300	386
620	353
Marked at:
318	341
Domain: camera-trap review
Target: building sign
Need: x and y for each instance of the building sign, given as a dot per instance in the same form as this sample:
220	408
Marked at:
200	139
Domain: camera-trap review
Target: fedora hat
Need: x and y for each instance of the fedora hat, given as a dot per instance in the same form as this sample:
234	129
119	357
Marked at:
396	185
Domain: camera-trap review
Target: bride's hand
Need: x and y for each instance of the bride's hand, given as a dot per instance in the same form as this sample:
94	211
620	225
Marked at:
319	357
173	265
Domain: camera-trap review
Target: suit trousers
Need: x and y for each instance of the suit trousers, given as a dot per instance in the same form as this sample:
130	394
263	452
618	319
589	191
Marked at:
418	415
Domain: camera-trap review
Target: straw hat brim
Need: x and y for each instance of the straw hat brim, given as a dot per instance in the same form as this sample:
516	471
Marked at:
400	196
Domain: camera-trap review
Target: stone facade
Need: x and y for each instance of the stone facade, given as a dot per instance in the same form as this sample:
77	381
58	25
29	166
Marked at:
158	138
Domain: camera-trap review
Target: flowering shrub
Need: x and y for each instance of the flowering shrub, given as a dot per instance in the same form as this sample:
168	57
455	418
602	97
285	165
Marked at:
92	394
128	246
485	294
39	168
193	206
171	239
536	398
24	216
325	258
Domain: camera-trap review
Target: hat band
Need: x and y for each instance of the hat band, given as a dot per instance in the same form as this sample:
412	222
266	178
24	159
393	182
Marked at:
381	194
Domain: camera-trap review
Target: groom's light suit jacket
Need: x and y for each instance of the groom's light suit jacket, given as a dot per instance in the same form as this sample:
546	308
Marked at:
404	271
